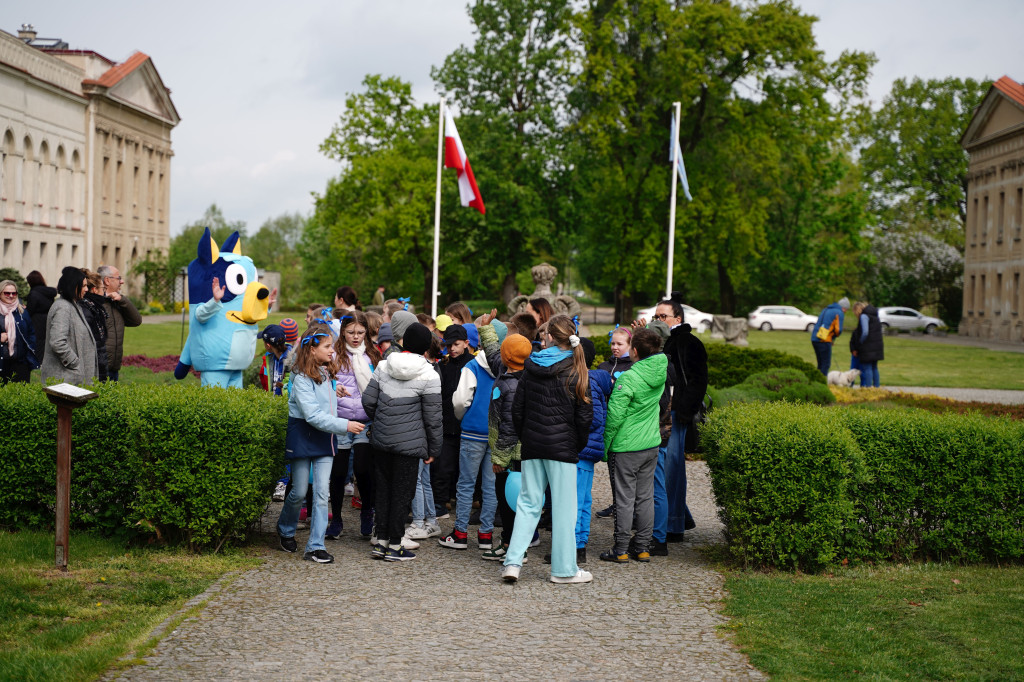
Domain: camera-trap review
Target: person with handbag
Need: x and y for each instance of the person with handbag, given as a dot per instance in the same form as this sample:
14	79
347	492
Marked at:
826	330
309	443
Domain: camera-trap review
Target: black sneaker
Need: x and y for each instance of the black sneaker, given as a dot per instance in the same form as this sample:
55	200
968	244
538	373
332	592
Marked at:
288	544
320	556
614	557
581	555
658	548
675	537
377	551
607	512
400	554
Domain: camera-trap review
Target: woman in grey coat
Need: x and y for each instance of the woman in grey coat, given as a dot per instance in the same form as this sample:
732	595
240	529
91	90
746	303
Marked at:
71	349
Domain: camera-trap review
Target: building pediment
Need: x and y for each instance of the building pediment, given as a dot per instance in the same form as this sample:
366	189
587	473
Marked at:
1000	113
137	84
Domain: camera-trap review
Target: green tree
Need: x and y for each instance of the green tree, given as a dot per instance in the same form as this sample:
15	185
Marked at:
273	247
184	246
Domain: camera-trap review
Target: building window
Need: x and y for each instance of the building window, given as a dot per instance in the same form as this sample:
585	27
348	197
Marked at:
74	253
24	250
971	294
7	249
119	188
106	184
1020	210
981	303
974	222
984	220
103	254
999	294
999	218
1016	303
59	253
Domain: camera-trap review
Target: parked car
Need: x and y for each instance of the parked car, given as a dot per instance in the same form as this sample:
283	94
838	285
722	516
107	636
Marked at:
701	322
769	317
908	318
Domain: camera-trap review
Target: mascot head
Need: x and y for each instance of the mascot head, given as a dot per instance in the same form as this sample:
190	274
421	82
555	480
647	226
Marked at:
244	297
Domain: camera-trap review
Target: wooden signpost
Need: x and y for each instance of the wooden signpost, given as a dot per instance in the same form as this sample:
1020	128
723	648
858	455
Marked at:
66	397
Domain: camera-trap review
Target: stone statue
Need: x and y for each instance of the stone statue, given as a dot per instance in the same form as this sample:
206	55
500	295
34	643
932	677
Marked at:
543	276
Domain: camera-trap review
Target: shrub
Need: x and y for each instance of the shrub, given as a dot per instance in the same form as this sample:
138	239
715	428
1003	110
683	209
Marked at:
189	464
782	383
731	365
603	349
19	282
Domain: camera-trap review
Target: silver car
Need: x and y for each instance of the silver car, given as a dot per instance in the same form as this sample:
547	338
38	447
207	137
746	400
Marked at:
769	317
908	318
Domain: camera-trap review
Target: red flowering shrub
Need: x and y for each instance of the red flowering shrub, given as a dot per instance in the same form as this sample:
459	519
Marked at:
167	363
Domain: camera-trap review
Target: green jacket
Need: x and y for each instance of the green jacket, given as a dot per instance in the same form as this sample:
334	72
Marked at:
634	406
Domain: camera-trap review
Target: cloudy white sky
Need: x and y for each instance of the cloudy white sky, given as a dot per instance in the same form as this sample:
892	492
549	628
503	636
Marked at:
259	84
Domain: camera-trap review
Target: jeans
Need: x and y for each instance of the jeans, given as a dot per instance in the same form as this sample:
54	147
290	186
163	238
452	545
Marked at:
679	518
660	496
423	500
112	376
869	374
538	474
584	482
300	482
823	353
475	457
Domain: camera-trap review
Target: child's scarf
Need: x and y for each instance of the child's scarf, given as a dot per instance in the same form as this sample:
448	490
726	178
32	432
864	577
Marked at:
360	365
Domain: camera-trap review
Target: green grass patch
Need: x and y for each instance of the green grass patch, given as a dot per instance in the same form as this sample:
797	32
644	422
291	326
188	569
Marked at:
75	625
918	621
165	338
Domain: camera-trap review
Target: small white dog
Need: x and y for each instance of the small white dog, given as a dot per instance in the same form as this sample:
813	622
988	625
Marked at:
847	378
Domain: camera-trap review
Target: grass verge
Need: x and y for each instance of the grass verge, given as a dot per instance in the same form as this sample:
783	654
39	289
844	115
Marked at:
920	621
76	625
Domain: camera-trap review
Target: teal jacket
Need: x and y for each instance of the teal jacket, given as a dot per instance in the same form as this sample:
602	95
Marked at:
634	406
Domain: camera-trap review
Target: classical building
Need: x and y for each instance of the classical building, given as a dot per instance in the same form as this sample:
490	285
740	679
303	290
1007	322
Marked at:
994	252
85	172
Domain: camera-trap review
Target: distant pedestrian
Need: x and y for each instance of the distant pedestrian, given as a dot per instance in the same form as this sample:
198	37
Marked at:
826	330
121	313
867	344
17	337
378	296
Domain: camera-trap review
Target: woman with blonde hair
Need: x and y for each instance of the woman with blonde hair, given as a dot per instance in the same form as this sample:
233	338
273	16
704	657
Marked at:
17	337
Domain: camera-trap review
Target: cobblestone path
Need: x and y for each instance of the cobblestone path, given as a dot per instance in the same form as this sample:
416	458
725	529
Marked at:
447	615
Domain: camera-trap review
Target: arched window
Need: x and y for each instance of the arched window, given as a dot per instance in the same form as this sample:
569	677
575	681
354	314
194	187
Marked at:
29	173
59	196
77	191
45	185
7	181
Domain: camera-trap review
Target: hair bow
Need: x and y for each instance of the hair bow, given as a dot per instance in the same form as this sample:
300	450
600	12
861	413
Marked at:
313	337
405	301
576	321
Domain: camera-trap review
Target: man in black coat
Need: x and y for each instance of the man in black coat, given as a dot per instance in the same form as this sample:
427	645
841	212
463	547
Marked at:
687	384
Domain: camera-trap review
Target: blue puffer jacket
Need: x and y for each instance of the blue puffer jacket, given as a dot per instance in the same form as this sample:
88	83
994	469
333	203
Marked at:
600	389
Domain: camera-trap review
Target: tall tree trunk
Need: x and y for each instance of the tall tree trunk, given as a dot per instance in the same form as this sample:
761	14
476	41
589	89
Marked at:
508	288
726	293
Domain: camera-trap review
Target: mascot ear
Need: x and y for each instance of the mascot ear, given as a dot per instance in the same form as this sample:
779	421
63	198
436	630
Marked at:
208	251
232	244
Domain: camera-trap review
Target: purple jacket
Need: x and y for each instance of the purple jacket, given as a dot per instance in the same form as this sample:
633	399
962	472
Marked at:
351	406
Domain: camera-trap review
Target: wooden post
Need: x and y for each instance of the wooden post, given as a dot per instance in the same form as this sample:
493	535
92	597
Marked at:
66	397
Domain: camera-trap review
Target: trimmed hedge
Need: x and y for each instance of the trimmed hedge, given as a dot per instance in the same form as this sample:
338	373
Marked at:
731	365
784	383
802	486
185	463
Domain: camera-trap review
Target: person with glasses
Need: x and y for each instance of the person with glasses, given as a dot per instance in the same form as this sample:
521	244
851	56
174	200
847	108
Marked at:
121	313
17	337
40	298
96	315
70	355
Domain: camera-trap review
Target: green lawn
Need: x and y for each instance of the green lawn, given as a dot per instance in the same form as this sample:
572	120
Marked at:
165	338
75	625
922	621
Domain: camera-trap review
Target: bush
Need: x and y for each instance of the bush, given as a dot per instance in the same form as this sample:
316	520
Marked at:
783	383
19	282
801	486
602	348
731	365
185	463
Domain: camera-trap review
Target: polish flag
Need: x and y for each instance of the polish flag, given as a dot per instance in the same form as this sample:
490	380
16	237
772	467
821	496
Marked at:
455	157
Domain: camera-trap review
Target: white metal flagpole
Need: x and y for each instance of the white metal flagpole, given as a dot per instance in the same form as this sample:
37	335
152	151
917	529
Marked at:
676	109
437	210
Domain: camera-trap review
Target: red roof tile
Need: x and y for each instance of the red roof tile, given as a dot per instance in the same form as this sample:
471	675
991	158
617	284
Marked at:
1011	89
113	75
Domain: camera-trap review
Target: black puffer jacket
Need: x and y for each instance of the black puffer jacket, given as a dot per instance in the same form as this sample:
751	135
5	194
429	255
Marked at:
872	348
688	373
616	366
404	401
450	370
551	422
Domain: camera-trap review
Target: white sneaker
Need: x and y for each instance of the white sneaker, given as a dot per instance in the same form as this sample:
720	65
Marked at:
511	574
580	577
279	491
349	489
433	530
417	532
409	543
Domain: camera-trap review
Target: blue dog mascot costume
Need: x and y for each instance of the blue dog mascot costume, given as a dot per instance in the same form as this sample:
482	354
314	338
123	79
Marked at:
222	334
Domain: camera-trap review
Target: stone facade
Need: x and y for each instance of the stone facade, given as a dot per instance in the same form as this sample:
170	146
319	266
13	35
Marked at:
85	172
994	251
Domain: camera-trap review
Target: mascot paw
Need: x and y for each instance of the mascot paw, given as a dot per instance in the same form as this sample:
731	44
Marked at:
181	371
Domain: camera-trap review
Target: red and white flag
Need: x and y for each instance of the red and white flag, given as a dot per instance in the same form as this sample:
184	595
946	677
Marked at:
455	157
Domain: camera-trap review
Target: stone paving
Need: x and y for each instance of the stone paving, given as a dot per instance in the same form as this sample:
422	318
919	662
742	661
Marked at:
447	615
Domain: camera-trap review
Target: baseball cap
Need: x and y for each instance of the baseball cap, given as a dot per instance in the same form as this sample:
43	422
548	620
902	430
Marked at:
272	334
472	334
455	332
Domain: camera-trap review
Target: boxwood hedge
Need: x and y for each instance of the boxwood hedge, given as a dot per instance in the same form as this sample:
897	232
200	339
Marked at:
182	463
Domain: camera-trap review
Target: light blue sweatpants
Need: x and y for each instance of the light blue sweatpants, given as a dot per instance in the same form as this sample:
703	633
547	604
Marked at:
538	474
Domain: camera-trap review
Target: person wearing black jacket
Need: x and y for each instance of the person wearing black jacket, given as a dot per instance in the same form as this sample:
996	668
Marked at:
40	298
867	343
687	384
445	469
94	307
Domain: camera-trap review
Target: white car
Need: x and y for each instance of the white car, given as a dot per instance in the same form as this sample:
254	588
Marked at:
701	322
769	317
908	318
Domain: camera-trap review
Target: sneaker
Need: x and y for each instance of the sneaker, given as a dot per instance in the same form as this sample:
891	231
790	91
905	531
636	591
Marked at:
456	540
400	554
416	532
357	503
658	548
350	489
279	492
433	530
288	544
319	556
674	537
333	530
446	515
409	543
643	557
496	554
615	557
377	551
510	574
607	512
580	577
581	555
535	542
366	523
484	540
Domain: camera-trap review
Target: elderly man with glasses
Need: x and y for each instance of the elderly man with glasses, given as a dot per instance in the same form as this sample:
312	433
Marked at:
120	314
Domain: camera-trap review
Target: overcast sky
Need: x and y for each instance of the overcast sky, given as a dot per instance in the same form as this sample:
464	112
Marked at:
259	84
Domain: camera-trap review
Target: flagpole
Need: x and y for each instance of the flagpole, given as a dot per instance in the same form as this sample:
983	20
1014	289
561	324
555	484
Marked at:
437	209
676	109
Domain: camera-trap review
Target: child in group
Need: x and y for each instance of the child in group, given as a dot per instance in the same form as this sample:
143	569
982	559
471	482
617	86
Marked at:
470	402
373	324
551	412
501	434
310	442
427	321
354	364
459	312
632	437
384	338
449	369
277	359
619	339
391	306
593	452
404	401
313	313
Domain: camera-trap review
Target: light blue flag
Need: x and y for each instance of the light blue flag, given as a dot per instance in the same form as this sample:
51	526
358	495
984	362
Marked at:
675	155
